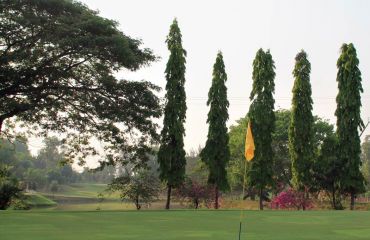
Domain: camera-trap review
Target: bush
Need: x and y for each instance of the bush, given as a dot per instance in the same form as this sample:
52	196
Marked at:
9	189
291	199
195	193
19	204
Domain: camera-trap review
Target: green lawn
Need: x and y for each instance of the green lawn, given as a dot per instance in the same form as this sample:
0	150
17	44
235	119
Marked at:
86	190
186	224
39	200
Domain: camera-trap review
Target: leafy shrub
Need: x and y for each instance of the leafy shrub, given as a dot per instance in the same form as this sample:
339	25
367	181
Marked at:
19	204
195	193
9	189
291	199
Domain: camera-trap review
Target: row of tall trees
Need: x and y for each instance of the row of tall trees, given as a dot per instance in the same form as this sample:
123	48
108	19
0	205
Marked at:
343	154
309	157
333	163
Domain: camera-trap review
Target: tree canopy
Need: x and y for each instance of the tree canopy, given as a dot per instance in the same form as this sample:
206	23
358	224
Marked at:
301	125
216	153
349	120
58	61
171	154
261	115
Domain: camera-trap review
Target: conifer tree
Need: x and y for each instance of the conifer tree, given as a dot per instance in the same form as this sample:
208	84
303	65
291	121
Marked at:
349	120
171	154
261	115
301	125
216	153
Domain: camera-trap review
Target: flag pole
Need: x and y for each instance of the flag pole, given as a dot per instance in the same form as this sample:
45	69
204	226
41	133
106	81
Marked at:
243	192
249	155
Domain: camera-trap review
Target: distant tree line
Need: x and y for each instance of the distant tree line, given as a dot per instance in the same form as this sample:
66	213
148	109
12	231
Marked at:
37	172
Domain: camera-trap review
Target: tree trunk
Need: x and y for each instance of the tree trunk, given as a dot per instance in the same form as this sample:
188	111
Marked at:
261	199
305	199
352	201
216	197
196	203
333	196
138	206
169	187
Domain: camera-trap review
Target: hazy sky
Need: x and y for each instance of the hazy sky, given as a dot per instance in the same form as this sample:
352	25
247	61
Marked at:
239	28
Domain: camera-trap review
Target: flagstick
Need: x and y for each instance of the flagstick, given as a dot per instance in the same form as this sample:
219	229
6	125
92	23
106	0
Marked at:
241	209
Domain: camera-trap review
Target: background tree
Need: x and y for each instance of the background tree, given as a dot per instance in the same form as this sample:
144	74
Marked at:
196	169
57	64
365	157
171	154
216	153
301	133
54	187
261	114
280	145
327	171
235	168
349	120
139	187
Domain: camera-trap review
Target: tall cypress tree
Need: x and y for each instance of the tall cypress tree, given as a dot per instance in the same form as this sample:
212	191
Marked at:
171	154
261	115
216	153
349	120
301	125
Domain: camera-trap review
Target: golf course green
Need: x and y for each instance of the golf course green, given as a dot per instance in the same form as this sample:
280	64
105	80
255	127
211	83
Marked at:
184	224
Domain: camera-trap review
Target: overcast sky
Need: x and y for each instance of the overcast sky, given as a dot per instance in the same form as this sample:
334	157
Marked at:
239	28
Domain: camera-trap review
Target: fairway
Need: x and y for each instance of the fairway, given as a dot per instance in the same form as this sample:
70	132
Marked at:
185	224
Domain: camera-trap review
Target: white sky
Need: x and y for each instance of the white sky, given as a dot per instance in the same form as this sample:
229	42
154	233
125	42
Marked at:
239	28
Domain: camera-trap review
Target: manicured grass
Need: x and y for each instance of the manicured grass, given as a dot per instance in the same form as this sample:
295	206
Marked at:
39	200
184	225
116	205
86	190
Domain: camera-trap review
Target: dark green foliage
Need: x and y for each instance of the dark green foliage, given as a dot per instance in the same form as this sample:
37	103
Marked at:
139	187
216	153
301	133
57	65
262	117
280	145
171	154
327	171
9	189
349	120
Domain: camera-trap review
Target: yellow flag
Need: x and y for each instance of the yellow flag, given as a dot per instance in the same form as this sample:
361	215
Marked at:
249	144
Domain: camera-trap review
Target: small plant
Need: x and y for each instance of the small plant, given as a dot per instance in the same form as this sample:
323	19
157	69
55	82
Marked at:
100	200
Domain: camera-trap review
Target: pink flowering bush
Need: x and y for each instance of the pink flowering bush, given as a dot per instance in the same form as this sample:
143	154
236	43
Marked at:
291	199
195	193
